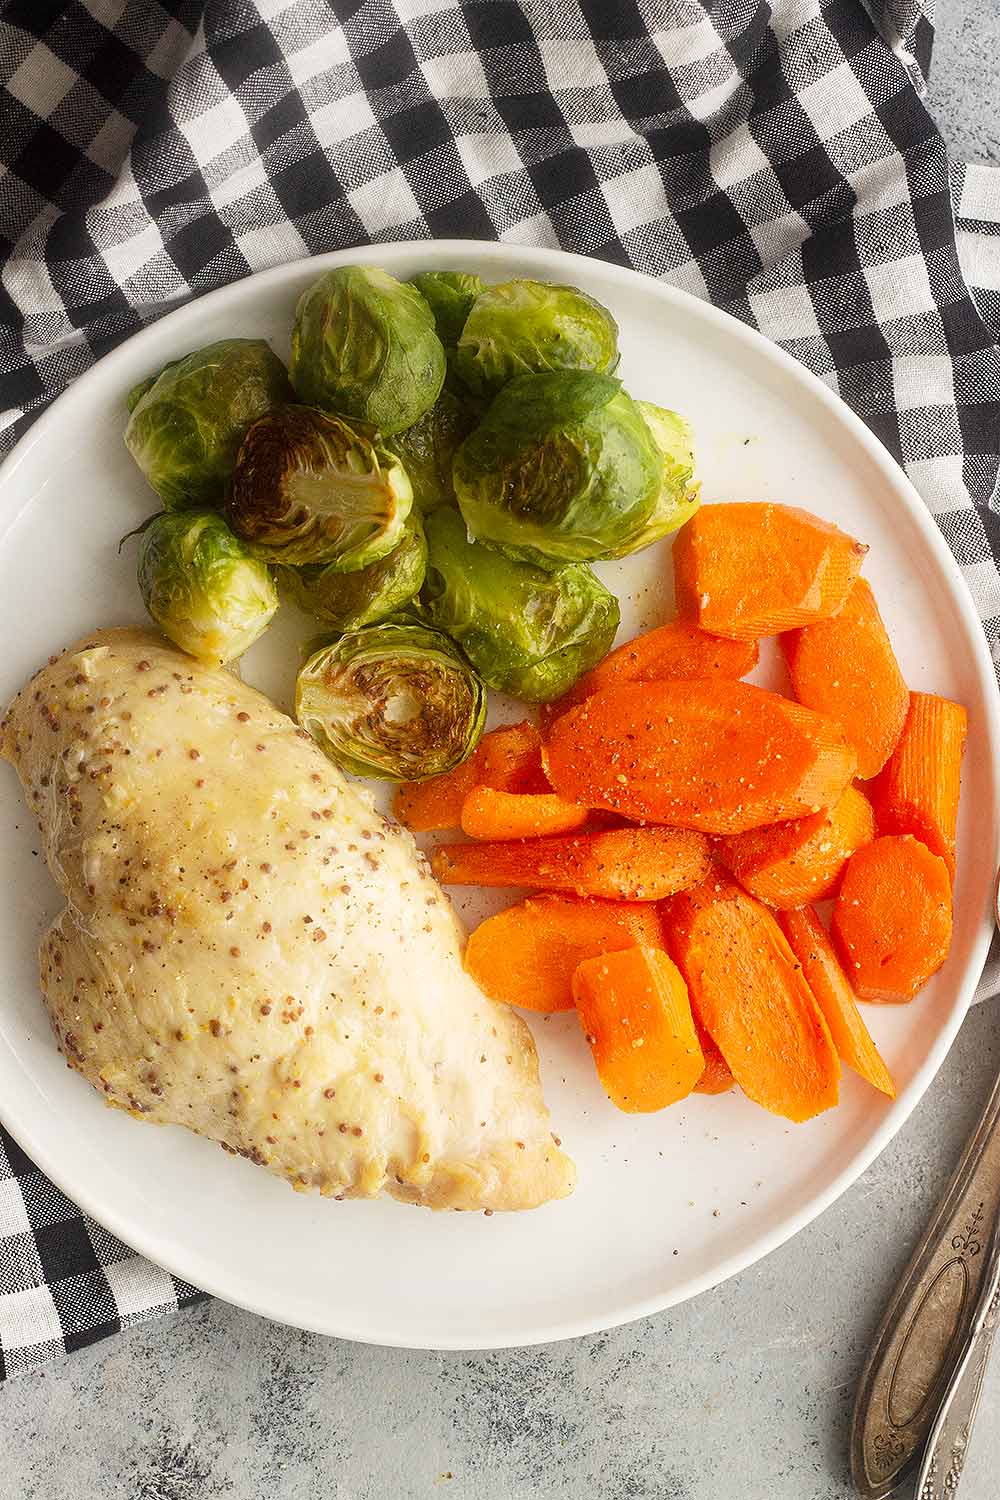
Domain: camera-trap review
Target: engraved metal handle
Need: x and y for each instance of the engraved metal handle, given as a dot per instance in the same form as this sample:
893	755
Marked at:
948	1443
925	1333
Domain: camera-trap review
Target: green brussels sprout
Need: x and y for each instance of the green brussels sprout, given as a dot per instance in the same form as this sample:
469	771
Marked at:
529	327
202	587
449	295
562	468
527	632
427	449
397	701
679	495
307	488
364	345
188	421
349	600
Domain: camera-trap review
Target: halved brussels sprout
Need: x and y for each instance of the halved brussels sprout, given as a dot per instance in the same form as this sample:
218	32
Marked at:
188	421
528	327
364	344
202	587
527	632
307	488
397	701
562	468
449	295
427	449
680	492
349	600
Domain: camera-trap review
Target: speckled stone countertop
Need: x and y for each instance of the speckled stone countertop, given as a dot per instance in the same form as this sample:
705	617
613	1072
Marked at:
743	1394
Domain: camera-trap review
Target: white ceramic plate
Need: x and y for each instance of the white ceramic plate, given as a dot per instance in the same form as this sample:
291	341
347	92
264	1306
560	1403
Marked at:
666	1205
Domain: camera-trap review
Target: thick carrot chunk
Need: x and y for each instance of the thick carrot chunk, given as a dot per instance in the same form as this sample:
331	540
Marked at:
679	649
808	941
635	1014
528	954
749	570
846	668
624	864
717	1077
489	814
747	988
719	756
508	759
789	864
918	790
892	921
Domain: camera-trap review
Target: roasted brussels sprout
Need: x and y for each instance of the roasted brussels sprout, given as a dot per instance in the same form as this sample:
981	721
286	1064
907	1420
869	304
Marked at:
187	422
562	468
202	587
525	327
346	601
679	495
398	701
307	488
527	632
364	345
449	295
427	449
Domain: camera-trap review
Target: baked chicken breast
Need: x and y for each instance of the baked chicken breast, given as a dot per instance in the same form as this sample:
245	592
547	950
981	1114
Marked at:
249	949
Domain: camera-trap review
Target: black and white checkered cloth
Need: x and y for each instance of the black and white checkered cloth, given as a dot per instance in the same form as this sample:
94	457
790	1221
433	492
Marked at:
776	158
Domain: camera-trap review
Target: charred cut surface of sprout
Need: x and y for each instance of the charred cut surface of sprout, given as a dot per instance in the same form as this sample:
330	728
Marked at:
427	449
202	587
365	345
186	423
527	631
562	468
397	701
347	601
529	327
309	488
449	295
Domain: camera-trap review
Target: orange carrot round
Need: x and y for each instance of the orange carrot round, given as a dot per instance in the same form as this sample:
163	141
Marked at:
789	864
918	790
892	921
635	1014
822	971
749	570
489	814
678	649
846	667
528	954
509	759
746	987
719	756
626	864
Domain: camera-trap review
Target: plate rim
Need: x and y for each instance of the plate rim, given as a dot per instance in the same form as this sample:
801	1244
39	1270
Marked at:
174	1256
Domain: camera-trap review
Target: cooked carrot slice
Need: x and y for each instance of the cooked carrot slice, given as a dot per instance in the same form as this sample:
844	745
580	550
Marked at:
717	1077
679	649
746	986
528	954
808	941
719	756
918	790
846	668
635	1014
789	864
508	759
624	864
892	921
489	814
749	570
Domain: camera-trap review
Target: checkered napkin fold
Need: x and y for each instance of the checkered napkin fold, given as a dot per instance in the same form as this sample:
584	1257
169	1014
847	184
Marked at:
775	158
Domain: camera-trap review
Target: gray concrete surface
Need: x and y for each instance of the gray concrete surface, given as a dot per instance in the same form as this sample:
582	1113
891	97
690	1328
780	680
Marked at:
743	1394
